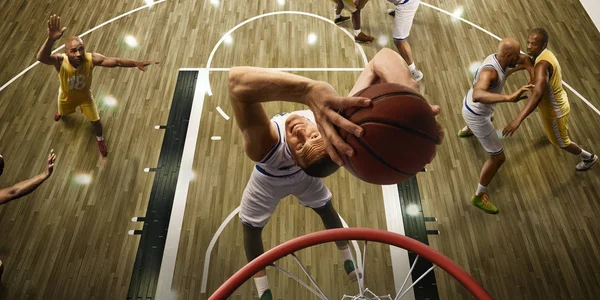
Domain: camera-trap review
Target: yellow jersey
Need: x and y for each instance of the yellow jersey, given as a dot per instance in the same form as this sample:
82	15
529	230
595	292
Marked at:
75	83
554	102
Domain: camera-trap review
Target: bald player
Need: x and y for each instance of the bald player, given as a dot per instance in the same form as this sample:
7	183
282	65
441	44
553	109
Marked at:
549	96
292	151
74	69
354	6
478	109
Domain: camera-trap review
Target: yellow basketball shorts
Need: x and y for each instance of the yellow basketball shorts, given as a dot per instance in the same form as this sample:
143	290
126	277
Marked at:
86	104
557	130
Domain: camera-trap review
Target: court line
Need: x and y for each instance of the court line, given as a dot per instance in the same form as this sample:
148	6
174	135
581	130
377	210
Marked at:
223	114
498	38
228	33
167	266
212	243
299	69
395	223
224	224
81	35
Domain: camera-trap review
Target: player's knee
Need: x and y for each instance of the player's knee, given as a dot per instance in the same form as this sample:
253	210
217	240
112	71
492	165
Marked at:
325	210
252	241
563	145
499	158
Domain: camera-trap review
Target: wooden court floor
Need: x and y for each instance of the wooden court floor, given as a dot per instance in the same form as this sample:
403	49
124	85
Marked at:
69	240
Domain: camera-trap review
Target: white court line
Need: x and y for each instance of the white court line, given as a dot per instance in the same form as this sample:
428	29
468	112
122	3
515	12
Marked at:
223	114
167	266
498	38
228	33
211	245
300	69
81	35
395	223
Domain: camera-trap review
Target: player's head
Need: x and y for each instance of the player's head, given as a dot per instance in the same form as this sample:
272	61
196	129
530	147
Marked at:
307	147
75	50
509	51
537	41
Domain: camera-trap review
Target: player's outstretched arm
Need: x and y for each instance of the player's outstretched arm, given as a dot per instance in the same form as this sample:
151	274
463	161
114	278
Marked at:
481	93
55	32
541	81
25	187
112	62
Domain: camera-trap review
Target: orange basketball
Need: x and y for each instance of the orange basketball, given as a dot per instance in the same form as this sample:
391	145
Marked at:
399	134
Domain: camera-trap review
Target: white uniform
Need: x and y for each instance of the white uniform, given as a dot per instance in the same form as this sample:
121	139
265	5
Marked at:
277	176
478	115
403	20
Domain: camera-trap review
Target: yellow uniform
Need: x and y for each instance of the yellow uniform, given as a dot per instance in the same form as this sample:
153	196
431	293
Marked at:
75	89
554	106
348	4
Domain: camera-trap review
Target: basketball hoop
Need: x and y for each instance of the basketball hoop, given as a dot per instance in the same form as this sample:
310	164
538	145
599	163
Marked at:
362	234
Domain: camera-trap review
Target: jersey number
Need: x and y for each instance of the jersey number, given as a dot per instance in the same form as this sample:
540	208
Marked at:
77	82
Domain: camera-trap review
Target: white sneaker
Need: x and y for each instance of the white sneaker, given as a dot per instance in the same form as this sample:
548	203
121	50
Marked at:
586	164
417	74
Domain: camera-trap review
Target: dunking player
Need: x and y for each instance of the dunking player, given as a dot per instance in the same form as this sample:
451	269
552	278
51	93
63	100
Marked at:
292	150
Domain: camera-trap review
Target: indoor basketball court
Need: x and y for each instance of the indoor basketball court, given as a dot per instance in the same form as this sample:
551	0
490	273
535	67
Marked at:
158	217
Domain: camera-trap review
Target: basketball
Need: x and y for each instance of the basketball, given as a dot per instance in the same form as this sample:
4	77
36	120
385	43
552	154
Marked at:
399	134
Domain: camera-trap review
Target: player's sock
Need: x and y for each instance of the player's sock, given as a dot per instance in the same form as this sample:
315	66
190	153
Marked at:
338	16
480	189
465	129
100	138
345	254
585	155
262	285
356	31
412	67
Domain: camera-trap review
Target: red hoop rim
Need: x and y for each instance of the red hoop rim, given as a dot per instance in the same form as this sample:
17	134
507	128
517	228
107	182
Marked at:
359	234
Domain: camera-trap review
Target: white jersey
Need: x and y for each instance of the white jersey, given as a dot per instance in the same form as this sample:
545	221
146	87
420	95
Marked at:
278	162
479	108
404	2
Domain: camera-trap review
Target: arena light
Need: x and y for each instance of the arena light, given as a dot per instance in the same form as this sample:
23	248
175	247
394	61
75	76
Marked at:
312	38
382	40
228	40
83	178
149	2
281	2
474	66
131	41
412	209
110	101
458	13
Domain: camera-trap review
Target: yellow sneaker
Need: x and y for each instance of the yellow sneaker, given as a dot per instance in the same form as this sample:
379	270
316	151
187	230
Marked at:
484	203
